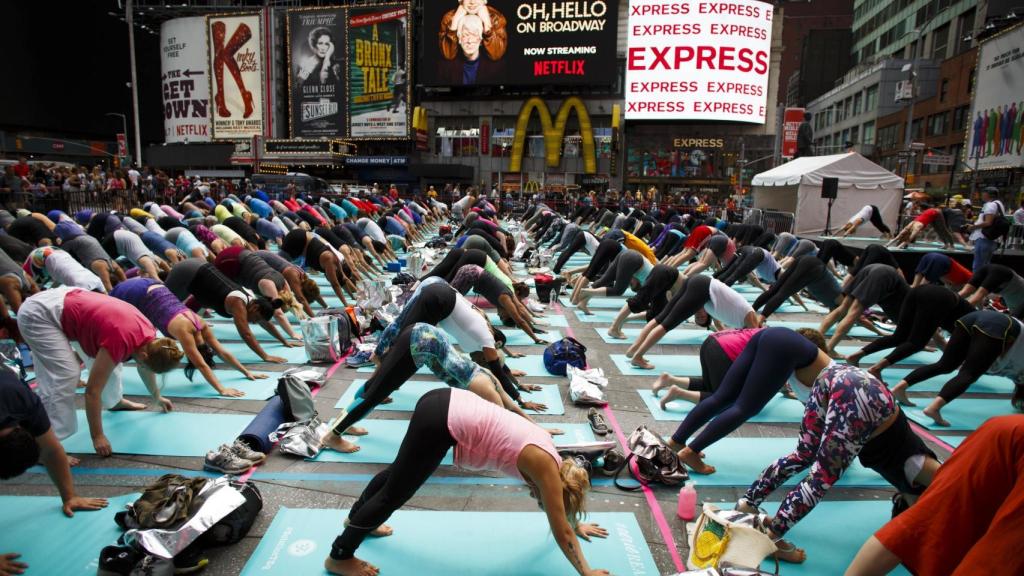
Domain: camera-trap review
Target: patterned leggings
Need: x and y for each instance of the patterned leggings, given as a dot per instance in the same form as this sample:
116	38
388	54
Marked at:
845	408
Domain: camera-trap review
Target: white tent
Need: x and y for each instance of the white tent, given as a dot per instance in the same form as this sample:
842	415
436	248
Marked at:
796	187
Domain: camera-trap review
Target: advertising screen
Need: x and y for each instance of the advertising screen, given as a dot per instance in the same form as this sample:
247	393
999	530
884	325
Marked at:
996	130
234	46
501	42
316	82
698	60
378	77
186	90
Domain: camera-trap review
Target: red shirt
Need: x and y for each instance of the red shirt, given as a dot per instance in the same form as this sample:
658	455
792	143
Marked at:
957	273
99	321
228	261
22	170
928	216
697	236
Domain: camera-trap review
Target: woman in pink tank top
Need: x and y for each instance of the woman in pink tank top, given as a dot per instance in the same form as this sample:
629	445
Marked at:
484	436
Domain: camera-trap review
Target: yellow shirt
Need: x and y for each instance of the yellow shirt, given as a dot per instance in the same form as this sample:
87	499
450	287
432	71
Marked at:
634	243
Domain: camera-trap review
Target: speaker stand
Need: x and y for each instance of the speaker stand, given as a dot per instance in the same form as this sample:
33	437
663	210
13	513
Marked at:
828	218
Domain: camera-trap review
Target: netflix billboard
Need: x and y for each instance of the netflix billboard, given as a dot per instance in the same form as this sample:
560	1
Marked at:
504	42
698	60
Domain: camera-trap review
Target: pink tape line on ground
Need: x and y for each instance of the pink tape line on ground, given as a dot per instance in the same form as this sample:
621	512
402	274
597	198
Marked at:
652	501
922	431
330	372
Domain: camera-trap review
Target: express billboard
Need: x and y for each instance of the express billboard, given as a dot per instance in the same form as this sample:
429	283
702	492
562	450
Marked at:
501	42
698	60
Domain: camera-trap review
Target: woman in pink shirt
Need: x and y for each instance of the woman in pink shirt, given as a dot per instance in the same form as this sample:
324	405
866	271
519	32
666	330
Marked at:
484	436
105	332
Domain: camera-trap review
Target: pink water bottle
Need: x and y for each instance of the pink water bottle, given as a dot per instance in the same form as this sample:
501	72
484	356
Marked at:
687	509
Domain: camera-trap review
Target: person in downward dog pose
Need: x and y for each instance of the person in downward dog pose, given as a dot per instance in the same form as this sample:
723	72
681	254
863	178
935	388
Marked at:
869	213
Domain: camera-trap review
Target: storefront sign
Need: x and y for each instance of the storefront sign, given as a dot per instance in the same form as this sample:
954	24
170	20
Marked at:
554	133
509	42
184	82
485	139
297	147
376	161
698	60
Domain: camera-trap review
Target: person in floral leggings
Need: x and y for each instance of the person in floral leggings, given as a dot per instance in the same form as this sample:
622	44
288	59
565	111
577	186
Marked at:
849	414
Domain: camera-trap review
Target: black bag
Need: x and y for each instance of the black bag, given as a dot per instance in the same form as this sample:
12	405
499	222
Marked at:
999	227
297	398
233	527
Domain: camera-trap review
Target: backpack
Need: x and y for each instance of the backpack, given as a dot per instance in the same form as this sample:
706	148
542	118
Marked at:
1000	225
233	527
651	461
347	327
297	399
565	352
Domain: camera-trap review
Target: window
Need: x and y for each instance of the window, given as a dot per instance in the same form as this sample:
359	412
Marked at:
871	98
857	103
845	137
943	89
964	29
869	132
915	130
932	168
940	40
854	134
970	80
937	124
847	107
959	119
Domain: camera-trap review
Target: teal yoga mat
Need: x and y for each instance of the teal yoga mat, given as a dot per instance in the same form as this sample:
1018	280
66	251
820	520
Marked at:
174	384
954	441
779	409
381	445
298	540
533	365
553	319
739	461
962	413
913	360
158	434
247	356
31	525
674	364
405	398
227	331
987	384
832	534
520	338
682	336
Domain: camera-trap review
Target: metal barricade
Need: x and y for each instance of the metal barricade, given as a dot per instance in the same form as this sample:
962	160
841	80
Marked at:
752	216
1015	238
777	222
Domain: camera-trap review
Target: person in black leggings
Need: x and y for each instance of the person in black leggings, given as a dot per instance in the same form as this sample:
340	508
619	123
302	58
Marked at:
875	284
606	252
714	364
758	374
996	279
321	257
806	272
652	297
984	341
627	270
830	250
925	309
578	242
747	260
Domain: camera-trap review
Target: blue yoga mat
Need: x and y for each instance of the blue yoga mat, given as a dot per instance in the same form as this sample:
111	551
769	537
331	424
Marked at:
157	434
552	319
298	540
987	384
31	526
855	332
682	336
226	331
257	433
962	413
676	365
779	409
247	356
917	359
533	365
953	441
174	384
604	303
519	338
406	397
739	461
832	534
381	445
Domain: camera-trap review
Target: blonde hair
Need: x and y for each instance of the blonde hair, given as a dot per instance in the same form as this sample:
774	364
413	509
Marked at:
162	355
815	336
575	484
289	300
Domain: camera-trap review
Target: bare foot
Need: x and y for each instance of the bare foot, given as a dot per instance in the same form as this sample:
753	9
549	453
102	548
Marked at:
854	359
126	404
381	531
582	306
387	400
339	444
876	371
351	567
788	552
81	383
694	461
660	383
900	393
639	362
556	431
356	431
616	334
936	416
673	393
72	461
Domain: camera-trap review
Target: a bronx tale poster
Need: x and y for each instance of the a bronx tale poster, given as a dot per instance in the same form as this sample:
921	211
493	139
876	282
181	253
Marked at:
234	44
316	81
379	78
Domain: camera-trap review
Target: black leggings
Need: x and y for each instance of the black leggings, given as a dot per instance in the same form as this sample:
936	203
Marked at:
924	310
993	277
974	347
575	245
671	245
616	278
758	373
714	364
644	230
606	252
607	219
747	259
748	234
874	254
876	220
424	447
834	250
692	296
804	271
651	296
765	240
447	265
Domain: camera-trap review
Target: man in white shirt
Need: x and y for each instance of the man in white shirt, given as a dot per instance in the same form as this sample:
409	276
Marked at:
983	246
133	177
1018	216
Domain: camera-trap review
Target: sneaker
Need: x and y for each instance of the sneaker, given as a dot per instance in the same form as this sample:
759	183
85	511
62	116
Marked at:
613	460
224	460
597	422
359	359
242	450
535	307
118	560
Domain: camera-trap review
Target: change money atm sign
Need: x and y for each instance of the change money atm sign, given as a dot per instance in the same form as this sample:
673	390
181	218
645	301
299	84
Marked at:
698	60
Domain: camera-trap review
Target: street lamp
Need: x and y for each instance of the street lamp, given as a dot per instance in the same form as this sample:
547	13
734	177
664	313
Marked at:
124	128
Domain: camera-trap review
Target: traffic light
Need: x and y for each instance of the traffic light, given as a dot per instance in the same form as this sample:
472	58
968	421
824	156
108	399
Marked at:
910	179
732	179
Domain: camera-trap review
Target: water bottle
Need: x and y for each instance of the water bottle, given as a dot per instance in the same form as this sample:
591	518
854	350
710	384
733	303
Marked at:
553	297
687	509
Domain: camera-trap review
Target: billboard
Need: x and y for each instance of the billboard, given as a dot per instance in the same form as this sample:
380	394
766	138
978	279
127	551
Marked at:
519	43
186	90
316	78
234	45
704	60
379	72
995	132
792	118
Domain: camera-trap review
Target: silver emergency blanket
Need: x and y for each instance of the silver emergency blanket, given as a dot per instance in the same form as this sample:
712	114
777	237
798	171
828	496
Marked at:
586	387
300	438
320	337
219	500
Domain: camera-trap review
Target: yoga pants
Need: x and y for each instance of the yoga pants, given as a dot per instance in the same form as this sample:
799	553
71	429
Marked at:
672	245
652	296
747	259
876	220
694	294
803	247
617	276
874	254
606	252
482	244
834	250
925	309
